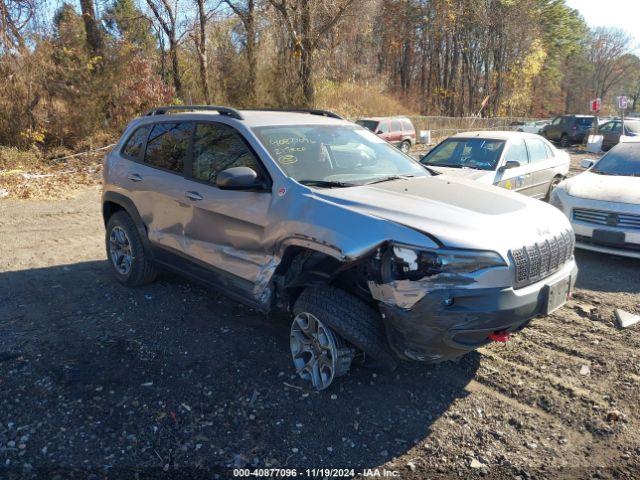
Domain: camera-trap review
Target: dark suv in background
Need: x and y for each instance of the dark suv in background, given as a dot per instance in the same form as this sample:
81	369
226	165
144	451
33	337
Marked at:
568	129
398	131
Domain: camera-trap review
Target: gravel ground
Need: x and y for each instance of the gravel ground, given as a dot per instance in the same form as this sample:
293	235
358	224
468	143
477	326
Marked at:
175	381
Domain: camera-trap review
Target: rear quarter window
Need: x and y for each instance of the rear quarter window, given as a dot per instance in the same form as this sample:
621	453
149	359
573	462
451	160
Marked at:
135	144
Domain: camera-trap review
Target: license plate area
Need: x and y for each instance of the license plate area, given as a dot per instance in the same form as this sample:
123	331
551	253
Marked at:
557	294
609	238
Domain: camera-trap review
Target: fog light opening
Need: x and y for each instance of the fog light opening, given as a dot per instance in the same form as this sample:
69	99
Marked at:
448	301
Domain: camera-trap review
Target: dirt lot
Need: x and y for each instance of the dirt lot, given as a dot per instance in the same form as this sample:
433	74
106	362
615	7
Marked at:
174	381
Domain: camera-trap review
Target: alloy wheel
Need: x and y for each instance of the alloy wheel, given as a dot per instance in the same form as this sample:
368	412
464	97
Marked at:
120	250
316	351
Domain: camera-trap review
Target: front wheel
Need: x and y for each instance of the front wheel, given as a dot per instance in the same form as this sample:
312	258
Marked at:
329	327
564	140
125	252
405	146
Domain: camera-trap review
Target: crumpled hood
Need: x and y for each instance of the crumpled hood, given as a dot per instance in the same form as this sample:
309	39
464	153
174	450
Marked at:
457	212
607	188
485	176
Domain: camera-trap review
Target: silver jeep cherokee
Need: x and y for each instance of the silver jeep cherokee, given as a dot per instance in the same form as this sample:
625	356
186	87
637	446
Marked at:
377	257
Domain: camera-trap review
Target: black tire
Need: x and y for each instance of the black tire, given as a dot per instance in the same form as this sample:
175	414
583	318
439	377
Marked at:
142	269
564	140
554	183
405	146
351	318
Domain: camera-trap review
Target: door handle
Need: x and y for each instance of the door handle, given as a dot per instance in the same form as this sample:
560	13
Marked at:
195	196
134	177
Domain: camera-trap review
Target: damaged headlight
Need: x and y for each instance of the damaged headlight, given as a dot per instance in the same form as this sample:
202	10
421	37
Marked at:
400	262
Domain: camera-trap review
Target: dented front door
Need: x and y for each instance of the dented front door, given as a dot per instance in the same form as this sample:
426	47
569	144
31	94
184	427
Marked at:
226	228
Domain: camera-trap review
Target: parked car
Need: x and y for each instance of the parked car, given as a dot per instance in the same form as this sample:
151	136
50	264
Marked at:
534	126
612	131
523	162
568	129
374	255
603	203
398	131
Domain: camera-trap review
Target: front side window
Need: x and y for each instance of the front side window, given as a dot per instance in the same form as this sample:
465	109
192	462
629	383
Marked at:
623	160
617	127
348	155
383	127
556	121
135	144
607	127
517	152
167	145
217	147
537	150
476	153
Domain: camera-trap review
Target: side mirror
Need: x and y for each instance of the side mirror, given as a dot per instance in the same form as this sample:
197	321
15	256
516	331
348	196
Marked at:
378	132
587	163
238	178
510	164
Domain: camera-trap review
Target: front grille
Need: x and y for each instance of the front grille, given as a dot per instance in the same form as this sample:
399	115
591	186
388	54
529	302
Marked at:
610	219
539	260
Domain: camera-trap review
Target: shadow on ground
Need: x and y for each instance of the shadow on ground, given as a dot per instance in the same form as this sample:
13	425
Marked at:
607	273
173	379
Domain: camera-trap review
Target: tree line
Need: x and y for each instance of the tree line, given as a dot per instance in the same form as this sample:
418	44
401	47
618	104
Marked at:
78	74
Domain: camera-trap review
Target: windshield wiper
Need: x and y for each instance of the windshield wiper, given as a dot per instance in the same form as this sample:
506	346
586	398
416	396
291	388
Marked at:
447	165
326	183
389	178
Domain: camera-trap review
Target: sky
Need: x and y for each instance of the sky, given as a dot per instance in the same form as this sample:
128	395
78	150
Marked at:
624	14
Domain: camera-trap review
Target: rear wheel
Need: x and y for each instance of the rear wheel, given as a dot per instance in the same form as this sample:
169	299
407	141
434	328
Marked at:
129	261
405	146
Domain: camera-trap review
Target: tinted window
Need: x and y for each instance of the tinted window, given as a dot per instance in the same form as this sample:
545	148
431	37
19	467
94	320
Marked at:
167	145
478	153
556	121
517	152
607	127
621	160
135	144
617	127
217	147
537	150
368	124
584	122
395	126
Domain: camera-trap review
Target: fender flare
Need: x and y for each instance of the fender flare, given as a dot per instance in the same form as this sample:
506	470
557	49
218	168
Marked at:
128	206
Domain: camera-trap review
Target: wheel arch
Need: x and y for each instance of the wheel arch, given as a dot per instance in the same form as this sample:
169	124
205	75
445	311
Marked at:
113	202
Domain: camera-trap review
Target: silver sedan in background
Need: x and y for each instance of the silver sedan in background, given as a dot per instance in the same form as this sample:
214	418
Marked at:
523	162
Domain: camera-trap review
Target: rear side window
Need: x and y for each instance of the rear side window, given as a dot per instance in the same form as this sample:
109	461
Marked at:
168	144
395	126
406	125
537	150
135	144
517	152
217	147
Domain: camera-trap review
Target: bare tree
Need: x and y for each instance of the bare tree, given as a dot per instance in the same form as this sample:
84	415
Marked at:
165	14
246	12
15	15
200	40
91	27
607	54
306	23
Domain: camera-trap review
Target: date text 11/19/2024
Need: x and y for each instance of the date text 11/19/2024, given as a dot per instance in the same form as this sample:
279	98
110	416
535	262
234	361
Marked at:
314	473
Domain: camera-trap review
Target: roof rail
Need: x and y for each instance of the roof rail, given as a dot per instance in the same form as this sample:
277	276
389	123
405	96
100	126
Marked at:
311	111
227	111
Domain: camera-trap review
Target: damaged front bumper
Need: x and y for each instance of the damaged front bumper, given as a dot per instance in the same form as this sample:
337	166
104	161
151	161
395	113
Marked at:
449	322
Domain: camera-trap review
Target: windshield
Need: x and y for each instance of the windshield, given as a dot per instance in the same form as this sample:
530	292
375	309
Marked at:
335	156
477	153
622	160
633	127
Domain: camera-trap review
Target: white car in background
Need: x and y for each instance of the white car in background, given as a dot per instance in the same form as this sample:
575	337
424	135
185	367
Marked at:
533	126
522	162
603	203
